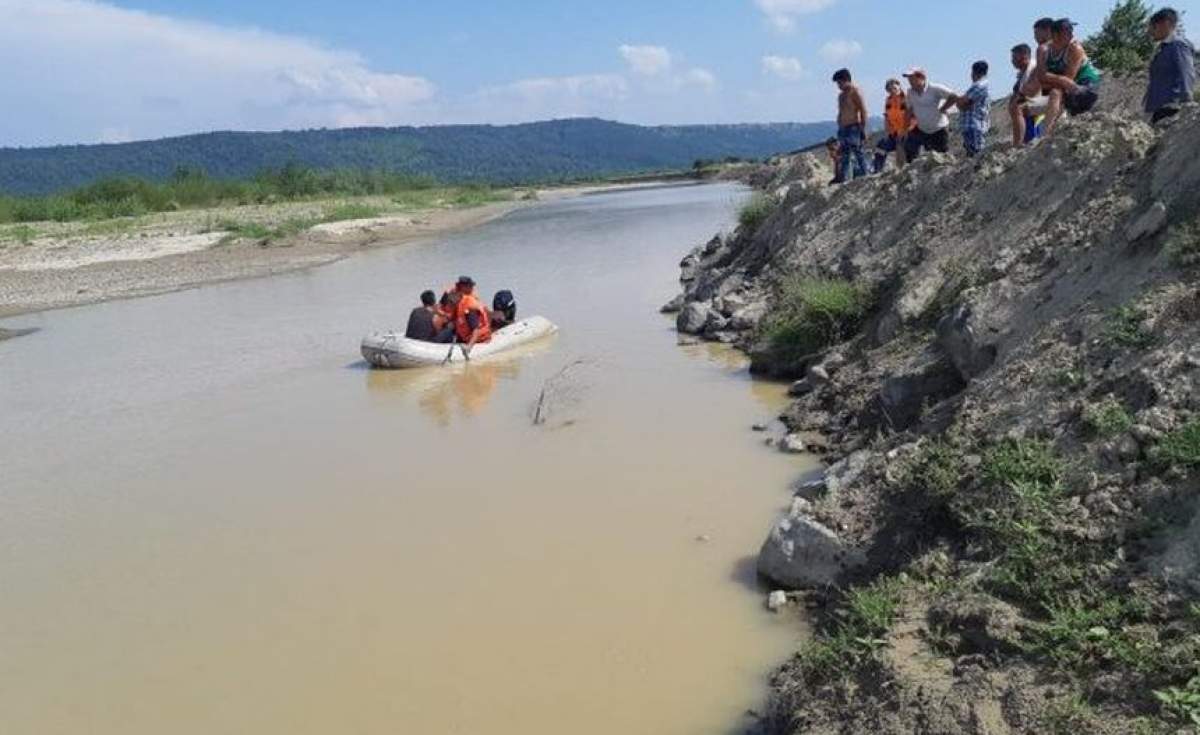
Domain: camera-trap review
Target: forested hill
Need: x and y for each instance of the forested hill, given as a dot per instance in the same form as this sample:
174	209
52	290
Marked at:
534	152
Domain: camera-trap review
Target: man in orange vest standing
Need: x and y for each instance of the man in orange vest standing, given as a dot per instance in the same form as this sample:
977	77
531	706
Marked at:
471	321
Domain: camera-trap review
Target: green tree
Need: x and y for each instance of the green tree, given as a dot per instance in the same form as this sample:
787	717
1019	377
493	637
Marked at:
1123	44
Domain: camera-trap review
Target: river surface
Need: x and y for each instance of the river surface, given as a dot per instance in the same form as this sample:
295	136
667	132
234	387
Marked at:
214	519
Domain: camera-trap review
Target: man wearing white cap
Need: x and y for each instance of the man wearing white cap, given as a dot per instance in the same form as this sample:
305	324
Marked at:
925	101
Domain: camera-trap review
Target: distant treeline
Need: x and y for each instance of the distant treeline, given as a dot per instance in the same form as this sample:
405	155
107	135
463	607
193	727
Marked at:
190	188
534	153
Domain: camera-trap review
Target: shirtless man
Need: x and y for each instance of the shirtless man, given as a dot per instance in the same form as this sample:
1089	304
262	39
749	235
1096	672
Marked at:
852	126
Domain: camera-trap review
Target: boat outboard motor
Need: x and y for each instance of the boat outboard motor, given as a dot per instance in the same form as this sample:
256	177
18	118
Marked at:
505	304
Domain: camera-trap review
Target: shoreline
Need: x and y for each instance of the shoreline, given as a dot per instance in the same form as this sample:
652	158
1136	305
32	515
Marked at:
63	272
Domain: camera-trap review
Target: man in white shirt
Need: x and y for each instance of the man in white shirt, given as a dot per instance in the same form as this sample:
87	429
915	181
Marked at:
925	101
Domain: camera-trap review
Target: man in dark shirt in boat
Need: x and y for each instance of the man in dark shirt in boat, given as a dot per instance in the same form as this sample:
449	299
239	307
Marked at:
421	321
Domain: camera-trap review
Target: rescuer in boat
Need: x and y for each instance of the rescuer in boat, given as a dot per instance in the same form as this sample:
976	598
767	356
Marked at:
504	310
422	322
472	322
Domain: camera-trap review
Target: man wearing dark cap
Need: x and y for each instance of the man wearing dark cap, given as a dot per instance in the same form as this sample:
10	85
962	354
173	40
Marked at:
1073	83
1173	69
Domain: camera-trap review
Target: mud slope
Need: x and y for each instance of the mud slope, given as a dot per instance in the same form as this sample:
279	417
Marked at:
1000	359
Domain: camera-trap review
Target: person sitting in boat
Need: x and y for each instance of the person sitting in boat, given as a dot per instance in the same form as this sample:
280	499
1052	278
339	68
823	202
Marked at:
422	320
504	309
443	317
472	321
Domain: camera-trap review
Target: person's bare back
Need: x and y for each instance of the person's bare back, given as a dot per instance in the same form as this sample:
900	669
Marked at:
851	107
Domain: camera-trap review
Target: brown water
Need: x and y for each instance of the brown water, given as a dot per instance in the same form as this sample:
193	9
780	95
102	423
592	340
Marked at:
214	520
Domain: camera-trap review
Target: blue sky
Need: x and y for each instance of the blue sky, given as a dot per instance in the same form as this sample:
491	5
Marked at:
87	71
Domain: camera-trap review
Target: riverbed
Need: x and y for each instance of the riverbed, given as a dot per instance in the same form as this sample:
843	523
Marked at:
215	519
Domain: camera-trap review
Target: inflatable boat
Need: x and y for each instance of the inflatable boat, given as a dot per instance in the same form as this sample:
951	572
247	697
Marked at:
391	350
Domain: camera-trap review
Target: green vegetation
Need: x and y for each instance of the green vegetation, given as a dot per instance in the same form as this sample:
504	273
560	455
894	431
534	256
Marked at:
1183	245
813	313
1122	45
190	189
1071	379
867	614
1180	448
757	211
1015	461
936	471
1182	704
267	234
1125	327
538	153
1106	419
24	234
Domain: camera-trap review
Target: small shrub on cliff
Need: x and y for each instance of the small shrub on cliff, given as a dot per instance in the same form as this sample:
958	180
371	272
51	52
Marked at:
1106	419
1183	247
756	211
1182	703
1125	327
935	471
866	616
1180	448
1021	461
814	313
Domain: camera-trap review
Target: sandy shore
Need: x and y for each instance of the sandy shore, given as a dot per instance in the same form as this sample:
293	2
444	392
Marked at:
53	265
168	254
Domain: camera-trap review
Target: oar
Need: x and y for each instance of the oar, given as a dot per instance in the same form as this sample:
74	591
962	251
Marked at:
450	352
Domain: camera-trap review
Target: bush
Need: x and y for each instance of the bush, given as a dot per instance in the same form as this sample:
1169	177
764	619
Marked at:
757	211
1122	45
1125	327
866	615
1183	247
814	313
1180	448
1106	419
935	471
1017	461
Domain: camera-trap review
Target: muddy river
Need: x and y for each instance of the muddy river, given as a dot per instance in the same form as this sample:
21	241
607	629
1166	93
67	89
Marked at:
214	519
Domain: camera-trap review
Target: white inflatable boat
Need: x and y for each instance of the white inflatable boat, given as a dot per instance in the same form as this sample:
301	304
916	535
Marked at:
392	350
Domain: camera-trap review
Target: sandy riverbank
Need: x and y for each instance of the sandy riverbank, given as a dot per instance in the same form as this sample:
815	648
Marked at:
55	265
181	250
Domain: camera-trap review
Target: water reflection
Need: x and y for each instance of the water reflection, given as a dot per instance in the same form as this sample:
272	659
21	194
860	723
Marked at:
443	394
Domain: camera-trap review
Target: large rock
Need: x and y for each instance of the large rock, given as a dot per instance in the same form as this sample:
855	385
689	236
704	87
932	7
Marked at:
693	318
1152	222
714	322
959	340
842	475
801	553
748	317
674	306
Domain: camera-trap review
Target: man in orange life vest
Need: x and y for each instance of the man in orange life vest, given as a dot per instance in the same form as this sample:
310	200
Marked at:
471	320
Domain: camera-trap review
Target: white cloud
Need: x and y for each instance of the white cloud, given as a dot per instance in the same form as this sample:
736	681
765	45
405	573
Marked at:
589	95
784	67
91	71
648	61
783	13
702	78
840	50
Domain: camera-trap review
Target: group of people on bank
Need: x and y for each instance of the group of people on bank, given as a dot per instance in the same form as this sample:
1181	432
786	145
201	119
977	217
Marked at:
459	316
1054	79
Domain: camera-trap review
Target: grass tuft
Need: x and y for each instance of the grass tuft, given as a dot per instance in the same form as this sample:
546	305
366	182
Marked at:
757	211
1022	461
1106	419
814	313
1125	327
1180	448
